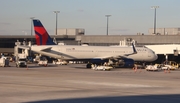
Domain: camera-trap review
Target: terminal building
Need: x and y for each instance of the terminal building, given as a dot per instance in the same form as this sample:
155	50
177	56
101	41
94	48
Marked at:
165	31
78	37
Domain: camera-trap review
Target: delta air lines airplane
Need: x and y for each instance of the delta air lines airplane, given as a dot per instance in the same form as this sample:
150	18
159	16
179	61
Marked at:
92	54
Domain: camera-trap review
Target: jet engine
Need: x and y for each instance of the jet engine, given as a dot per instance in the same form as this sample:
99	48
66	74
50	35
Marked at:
126	63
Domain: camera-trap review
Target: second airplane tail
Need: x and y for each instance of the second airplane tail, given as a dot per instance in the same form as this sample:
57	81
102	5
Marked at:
41	35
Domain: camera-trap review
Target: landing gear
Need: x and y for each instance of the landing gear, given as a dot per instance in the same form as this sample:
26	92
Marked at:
88	65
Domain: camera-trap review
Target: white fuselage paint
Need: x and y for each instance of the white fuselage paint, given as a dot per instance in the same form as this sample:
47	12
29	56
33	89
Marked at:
69	52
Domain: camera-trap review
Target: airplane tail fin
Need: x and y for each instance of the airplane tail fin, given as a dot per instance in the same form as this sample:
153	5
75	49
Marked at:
41	35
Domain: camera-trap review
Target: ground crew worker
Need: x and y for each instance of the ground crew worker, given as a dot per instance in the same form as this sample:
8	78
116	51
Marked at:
105	64
135	67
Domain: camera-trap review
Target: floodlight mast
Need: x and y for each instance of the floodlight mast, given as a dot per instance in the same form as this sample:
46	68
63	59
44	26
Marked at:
56	12
31	25
107	23
154	7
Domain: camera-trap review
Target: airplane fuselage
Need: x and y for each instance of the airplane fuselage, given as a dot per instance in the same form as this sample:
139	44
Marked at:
72	52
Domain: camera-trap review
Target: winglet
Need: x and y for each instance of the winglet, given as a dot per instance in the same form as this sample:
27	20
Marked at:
134	49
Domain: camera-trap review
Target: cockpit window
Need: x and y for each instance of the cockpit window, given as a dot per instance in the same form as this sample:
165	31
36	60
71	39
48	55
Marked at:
144	46
152	51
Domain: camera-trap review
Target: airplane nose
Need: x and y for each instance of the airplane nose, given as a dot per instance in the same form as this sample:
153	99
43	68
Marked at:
155	57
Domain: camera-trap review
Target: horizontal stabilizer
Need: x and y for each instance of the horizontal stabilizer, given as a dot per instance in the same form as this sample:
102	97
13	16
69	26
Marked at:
46	49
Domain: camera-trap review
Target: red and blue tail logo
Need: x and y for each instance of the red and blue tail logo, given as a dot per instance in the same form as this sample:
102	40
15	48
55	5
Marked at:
42	37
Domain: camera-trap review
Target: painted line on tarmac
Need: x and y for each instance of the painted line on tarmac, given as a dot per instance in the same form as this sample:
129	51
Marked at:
111	84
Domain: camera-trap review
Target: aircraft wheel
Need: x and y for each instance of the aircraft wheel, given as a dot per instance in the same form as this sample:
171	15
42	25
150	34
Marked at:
88	65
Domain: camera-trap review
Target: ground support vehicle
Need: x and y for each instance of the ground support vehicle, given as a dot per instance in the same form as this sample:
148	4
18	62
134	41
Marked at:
155	67
4	62
60	62
21	61
104	68
171	67
43	62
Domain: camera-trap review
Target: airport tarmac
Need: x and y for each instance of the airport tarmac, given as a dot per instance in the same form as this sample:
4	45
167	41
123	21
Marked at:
74	83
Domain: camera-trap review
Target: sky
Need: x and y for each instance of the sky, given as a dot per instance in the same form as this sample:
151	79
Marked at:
128	17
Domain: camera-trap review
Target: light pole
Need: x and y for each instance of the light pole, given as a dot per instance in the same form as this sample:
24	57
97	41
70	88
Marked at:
154	7
56	12
31	25
107	23
31	34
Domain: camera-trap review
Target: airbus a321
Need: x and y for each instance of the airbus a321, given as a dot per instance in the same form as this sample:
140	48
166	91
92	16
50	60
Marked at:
92	54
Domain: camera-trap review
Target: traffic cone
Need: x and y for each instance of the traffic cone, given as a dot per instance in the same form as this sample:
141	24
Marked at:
27	68
135	70
165	71
140	70
168	70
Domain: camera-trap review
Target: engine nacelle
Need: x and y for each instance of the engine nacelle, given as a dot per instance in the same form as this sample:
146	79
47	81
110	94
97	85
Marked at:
126	63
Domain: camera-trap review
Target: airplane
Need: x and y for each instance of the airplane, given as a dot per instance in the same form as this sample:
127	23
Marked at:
92	54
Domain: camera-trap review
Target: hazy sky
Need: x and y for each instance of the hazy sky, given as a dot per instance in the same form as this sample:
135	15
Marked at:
128	16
